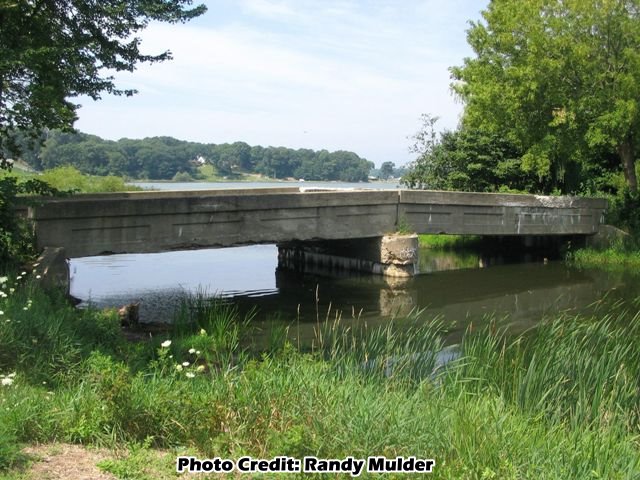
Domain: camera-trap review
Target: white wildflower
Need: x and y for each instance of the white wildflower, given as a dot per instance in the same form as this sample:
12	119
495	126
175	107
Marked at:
179	368
166	344
38	277
11	375
197	352
200	368
203	332
185	364
23	273
1	312
3	280
190	374
192	351
6	381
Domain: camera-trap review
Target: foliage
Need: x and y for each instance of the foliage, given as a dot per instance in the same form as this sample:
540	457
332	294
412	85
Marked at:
625	212
467	160
53	51
16	238
165	157
617	257
449	241
182	177
68	178
558	80
386	170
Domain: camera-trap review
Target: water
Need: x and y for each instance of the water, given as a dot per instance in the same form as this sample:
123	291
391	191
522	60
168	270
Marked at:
391	185
461	288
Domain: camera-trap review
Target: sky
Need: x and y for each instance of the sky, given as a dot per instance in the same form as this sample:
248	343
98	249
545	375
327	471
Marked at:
320	74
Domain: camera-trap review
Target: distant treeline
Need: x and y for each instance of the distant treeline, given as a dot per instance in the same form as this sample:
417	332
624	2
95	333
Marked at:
165	157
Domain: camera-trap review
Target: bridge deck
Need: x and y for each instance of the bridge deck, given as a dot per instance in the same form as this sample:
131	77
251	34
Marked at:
139	222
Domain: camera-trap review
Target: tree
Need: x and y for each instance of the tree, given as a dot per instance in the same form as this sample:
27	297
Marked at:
386	170
54	50
558	79
467	160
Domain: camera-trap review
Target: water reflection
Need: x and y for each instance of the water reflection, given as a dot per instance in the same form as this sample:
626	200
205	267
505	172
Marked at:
459	295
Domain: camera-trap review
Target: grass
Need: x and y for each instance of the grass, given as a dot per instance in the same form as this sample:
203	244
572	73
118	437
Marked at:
209	173
559	402
448	241
68	178
614	258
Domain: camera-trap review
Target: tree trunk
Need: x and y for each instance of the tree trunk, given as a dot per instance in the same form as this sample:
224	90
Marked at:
625	150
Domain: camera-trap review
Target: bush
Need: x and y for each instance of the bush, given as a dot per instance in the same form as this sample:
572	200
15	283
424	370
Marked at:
70	179
16	238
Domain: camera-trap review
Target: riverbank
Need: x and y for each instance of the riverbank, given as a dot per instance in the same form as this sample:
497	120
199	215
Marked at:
560	402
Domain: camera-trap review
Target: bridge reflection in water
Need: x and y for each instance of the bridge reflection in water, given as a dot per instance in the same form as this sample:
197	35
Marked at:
461	294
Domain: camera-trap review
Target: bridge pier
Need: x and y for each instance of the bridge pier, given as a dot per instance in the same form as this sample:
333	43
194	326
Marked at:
391	255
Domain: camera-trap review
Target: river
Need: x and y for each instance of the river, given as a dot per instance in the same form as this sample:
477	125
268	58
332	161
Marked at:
459	288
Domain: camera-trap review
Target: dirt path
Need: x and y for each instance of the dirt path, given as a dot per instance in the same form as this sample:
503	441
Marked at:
66	462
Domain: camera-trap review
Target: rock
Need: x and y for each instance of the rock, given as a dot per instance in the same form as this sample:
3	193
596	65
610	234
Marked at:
129	314
53	269
607	236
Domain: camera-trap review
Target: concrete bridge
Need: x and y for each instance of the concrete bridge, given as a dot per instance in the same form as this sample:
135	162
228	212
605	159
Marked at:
353	224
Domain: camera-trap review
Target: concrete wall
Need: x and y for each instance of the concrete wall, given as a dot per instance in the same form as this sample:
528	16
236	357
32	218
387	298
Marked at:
142	222
500	214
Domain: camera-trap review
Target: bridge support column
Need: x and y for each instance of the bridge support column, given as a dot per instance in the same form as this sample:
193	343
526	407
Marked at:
391	255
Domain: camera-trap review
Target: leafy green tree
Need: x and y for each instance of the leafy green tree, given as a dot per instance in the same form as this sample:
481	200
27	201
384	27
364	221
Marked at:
468	160
386	170
52	51
558	79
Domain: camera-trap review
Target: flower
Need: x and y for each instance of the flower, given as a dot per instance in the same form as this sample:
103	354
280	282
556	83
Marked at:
203	331
190	374
179	368
192	351
23	273
185	364
200	368
166	344
38	277
6	381
197	352
3	280
1	312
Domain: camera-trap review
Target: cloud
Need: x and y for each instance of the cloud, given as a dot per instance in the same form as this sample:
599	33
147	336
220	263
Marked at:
268	8
351	75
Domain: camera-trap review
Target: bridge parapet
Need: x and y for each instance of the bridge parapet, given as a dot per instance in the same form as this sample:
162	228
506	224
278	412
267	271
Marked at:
143	222
500	214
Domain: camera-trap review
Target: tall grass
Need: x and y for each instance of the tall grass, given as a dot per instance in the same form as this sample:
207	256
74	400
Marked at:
617	257
561	401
